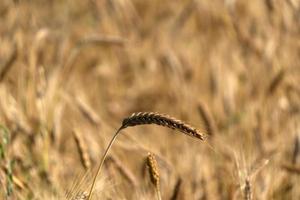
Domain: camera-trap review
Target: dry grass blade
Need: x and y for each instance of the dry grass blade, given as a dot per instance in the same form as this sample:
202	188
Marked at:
20	184
154	173
16	181
84	156
143	118
102	40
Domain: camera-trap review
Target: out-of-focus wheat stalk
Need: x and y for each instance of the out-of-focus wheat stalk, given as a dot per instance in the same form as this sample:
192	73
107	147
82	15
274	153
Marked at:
87	111
123	170
4	69
176	189
82	150
275	82
207	118
80	196
92	40
247	189
296	150
291	168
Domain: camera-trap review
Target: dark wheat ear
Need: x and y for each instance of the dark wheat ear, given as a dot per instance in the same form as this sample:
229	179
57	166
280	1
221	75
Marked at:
143	118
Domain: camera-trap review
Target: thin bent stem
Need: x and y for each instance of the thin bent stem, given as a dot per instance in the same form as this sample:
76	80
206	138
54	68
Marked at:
158	193
102	161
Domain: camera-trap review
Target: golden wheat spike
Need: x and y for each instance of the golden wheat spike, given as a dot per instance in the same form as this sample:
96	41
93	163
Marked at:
142	118
153	169
154	173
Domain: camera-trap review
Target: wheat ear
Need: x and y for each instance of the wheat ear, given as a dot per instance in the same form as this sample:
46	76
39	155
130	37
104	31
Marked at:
82	150
154	173
143	118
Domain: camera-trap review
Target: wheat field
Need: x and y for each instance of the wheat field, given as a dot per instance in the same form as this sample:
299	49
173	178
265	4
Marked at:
225	72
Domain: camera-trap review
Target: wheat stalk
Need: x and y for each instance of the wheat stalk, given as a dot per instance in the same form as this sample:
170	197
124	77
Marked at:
154	173
276	81
176	190
87	111
143	118
80	196
296	151
82	150
247	190
125	172
4	69
291	168
207	119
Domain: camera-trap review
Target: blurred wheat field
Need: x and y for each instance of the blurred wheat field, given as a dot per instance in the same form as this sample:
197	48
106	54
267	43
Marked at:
71	71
